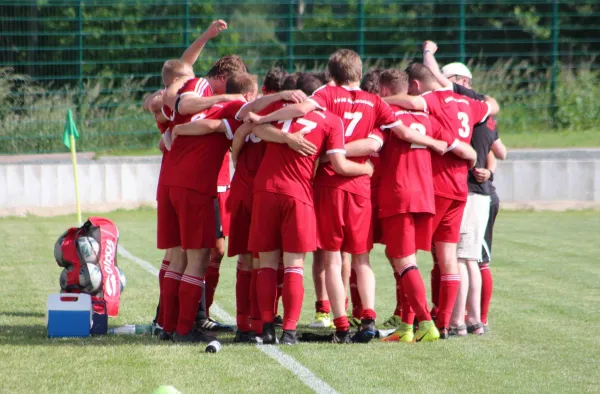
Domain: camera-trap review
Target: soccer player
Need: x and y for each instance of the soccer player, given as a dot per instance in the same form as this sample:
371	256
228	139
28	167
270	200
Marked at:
457	115
343	204
175	72
472	244
188	216
283	217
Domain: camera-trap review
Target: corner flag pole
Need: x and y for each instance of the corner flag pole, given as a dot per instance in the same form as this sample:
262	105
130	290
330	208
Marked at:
70	134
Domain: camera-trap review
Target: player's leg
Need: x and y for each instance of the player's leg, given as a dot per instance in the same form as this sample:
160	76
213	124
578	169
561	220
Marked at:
280	272
322	305
216	257
157	323
243	279
337	295
346	272
395	320
293	295
255	316
354	317
266	284
473	322
403	235
484	268
435	283
457	325
446	237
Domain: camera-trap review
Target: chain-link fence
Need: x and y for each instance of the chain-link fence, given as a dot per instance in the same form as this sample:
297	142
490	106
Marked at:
100	57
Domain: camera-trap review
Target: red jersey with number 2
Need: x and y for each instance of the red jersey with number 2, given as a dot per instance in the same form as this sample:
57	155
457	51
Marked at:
457	115
361	112
406	168
285	171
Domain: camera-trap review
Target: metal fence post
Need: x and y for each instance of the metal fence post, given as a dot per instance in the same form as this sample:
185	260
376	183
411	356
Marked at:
461	31
554	76
290	40
186	32
361	28
80	45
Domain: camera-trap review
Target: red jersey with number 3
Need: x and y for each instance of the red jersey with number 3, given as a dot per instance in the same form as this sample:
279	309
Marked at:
285	171
406	168
457	115
361	112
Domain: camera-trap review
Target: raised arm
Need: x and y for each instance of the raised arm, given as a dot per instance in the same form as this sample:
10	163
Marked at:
295	141
346	167
415	103
285	113
297	96
429	49
193	51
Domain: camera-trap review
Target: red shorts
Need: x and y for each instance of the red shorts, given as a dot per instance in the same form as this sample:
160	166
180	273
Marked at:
281	222
448	216
239	205
375	221
344	221
224	212
404	233
186	218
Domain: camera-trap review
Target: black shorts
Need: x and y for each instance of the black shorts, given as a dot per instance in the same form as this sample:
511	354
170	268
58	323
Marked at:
486	254
219	227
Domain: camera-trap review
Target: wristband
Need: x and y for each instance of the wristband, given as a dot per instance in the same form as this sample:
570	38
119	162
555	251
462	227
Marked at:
425	51
491	176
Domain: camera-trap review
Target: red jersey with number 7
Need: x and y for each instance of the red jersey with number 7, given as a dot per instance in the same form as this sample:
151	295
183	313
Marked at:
285	171
457	115
361	112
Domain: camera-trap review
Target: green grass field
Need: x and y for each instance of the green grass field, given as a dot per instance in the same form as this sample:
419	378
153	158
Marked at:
545	321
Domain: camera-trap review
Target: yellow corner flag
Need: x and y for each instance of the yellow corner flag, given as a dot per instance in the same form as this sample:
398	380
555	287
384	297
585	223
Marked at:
70	134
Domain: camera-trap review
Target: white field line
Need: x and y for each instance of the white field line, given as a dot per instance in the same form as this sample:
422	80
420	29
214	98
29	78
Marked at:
285	360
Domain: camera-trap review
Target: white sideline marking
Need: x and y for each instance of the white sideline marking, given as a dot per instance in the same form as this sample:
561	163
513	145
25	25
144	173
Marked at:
285	360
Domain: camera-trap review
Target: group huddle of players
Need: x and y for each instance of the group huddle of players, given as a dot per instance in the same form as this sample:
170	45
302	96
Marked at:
326	163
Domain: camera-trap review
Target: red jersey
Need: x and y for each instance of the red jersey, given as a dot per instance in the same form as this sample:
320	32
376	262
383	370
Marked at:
285	171
360	112
252	153
198	87
406	168
224	178
376	158
457	115
195	161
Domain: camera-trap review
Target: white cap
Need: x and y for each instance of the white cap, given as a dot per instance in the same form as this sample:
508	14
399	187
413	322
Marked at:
456	68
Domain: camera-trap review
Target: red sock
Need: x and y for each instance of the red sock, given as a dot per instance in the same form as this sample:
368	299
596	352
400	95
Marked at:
190	294
280	271
242	299
368	314
293	296
161	275
355	296
414	289
169	301
341	323
449	284
212	280
486	290
408	315
435	284
399	294
266	285
256	320
322	306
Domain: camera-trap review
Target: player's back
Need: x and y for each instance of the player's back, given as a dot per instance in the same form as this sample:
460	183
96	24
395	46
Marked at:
457	115
406	168
361	112
285	171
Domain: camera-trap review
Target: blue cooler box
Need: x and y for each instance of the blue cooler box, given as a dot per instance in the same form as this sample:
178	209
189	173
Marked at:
69	315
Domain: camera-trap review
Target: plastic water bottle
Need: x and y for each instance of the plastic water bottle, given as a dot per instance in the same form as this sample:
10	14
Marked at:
132	329
213	347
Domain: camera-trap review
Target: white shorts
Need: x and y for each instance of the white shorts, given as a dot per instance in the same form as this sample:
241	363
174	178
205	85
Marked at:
472	227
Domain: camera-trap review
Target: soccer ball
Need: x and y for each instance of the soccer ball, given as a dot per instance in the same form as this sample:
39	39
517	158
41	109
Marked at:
122	279
87	285
88	249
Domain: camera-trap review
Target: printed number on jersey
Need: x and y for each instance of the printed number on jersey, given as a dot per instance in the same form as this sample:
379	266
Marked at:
308	125
354	117
465	130
418	127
